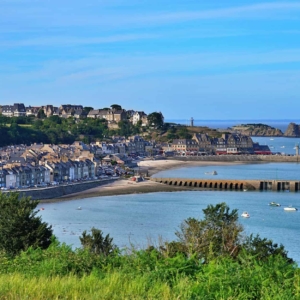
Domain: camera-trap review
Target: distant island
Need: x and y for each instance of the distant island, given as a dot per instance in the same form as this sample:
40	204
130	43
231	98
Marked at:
293	130
259	129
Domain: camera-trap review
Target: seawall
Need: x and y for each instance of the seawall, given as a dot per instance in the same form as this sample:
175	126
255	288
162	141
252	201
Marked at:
61	190
231	184
240	158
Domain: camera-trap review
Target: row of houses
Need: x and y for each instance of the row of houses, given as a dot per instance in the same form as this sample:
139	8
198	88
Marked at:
76	111
39	152
234	143
66	162
17	176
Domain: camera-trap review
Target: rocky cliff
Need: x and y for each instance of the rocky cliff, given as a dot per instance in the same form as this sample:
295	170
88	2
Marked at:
257	130
293	130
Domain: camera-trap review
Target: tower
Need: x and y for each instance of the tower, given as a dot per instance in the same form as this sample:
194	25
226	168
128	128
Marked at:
297	149
192	122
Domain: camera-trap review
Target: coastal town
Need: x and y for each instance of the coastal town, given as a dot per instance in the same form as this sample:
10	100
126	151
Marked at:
149	150
45	164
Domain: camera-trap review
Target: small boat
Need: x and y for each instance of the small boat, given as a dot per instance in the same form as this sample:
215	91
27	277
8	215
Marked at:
211	173
79	208
245	190
245	215
282	147
274	204
290	208
271	139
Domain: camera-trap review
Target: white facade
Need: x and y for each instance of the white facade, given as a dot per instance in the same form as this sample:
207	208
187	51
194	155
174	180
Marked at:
47	175
136	117
11	180
72	173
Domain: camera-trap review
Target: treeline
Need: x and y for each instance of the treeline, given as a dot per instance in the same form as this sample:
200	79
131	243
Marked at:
211	258
55	130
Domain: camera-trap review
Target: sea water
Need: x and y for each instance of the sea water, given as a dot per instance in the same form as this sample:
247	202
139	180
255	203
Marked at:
140	219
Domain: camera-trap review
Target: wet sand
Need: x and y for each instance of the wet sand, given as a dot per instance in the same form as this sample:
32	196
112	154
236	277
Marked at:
125	186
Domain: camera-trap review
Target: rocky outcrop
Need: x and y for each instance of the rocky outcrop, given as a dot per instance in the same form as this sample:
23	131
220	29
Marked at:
293	130
257	130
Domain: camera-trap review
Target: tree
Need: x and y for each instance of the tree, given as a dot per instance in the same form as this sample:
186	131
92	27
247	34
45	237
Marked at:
116	107
155	120
20	227
96	243
262	248
88	108
217	235
41	114
125	128
183	133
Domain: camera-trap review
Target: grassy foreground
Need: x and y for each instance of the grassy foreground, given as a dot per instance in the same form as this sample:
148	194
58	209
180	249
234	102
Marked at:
62	273
210	259
116	285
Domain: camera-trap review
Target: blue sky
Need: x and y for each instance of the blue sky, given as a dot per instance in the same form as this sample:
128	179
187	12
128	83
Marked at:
213	59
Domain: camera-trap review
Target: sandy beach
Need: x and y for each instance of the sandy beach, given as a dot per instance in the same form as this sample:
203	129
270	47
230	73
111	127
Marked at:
125	186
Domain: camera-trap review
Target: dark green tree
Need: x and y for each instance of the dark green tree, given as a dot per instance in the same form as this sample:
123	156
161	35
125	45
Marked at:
155	120
219	234
263	248
183	133
20	227
88	108
97	243
41	114
116	107
125	128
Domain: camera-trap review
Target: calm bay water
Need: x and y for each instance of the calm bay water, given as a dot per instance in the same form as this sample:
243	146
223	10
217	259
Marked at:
271	171
139	218
284	145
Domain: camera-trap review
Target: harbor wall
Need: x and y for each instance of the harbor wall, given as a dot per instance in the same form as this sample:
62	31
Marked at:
239	158
61	190
231	184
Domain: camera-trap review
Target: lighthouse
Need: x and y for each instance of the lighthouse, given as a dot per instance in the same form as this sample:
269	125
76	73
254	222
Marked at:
192	122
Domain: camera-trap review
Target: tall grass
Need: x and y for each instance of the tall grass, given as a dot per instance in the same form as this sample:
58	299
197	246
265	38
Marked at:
113	286
62	273
217	280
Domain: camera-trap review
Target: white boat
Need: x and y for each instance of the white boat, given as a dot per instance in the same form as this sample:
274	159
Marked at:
245	215
274	204
282	147
290	208
271	139
211	173
245	190
79	208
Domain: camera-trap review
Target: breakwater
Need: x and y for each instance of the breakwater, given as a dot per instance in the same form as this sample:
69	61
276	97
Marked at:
239	158
231	184
61	190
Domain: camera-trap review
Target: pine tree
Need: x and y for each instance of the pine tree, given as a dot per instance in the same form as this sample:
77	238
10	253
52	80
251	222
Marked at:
97	243
20	227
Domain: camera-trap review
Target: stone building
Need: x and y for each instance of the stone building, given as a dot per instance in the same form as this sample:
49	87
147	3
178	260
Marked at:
16	110
185	145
